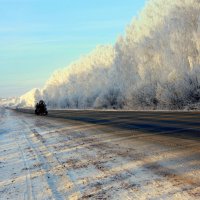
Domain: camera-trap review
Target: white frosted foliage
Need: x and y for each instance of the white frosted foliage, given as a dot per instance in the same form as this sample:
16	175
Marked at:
155	65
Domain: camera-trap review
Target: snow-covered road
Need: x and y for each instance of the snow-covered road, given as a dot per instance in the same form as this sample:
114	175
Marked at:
48	158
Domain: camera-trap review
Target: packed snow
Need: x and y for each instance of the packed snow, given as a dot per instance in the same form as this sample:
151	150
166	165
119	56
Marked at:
49	158
155	65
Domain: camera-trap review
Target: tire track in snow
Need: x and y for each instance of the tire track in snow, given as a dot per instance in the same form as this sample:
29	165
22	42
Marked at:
46	167
29	195
48	158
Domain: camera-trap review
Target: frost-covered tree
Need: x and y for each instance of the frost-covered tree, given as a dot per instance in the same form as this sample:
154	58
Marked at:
30	98
155	65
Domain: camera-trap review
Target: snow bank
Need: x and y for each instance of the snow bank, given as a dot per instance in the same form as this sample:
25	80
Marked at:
155	65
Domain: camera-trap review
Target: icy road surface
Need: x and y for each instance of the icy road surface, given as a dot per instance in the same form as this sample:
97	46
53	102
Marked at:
49	158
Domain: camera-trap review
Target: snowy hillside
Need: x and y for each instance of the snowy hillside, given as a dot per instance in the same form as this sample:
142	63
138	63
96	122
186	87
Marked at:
155	65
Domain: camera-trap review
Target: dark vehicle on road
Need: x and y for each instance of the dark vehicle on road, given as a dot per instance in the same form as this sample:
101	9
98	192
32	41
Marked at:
41	108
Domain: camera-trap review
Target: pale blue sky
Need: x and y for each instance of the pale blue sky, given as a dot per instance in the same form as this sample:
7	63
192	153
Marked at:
39	36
